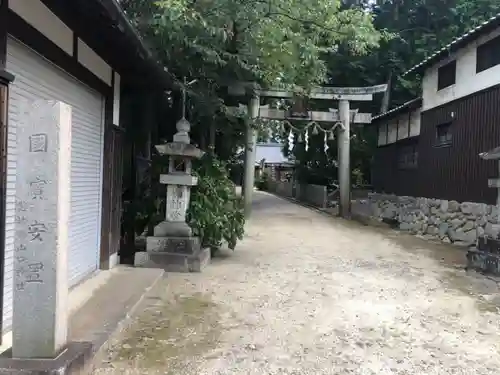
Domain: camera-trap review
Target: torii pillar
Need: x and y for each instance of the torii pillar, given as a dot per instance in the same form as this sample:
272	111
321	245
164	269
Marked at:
344	147
251	140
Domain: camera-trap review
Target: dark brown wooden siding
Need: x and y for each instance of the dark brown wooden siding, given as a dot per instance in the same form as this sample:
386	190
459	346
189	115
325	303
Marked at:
387	177
107	186
455	172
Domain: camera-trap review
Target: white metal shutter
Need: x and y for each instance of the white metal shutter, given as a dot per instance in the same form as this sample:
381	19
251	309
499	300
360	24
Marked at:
36	78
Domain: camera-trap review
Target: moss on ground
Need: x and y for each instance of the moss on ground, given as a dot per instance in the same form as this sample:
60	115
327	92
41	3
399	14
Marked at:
171	333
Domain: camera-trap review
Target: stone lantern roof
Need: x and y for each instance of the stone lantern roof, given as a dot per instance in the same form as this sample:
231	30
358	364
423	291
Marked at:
181	145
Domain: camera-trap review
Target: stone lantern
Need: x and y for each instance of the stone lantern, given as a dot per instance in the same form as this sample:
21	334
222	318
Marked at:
173	246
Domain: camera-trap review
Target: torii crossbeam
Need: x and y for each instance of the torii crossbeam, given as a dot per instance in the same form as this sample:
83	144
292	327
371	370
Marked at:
317	116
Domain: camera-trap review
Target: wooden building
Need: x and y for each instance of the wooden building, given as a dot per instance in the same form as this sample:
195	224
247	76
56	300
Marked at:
270	159
430	146
86	54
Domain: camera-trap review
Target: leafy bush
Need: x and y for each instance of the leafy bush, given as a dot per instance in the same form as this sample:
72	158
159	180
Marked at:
215	212
263	182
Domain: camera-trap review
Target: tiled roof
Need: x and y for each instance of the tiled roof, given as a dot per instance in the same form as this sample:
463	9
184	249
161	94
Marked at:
456	44
271	152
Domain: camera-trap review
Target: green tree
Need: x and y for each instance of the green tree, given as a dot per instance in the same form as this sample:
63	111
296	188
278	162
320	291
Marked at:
268	41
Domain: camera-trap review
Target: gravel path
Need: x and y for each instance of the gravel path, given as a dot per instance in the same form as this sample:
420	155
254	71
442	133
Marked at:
305	293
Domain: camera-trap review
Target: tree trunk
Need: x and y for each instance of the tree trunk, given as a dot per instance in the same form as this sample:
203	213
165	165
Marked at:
387	95
203	139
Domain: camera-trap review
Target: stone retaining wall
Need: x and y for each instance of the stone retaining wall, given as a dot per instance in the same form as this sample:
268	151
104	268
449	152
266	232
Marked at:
281	188
448	221
314	194
285	189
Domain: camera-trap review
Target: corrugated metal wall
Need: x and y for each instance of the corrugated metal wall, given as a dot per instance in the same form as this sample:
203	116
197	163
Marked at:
36	78
454	172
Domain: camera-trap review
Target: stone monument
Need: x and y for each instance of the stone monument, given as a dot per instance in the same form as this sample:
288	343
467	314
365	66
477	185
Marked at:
40	276
173	246
41	243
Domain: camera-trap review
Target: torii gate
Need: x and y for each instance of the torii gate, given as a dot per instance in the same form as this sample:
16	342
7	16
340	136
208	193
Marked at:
342	117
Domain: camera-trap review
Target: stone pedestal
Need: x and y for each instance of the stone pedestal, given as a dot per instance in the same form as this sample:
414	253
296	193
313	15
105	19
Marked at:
174	254
41	243
173	246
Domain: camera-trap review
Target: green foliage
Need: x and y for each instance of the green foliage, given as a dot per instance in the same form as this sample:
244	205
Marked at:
215	212
276	41
146	208
262	182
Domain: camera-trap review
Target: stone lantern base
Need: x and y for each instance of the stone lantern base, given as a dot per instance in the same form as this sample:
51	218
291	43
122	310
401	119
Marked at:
173	254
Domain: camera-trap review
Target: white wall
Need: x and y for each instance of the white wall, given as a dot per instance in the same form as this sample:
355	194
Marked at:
400	127
415	122
403	126
382	134
93	62
392	130
41	18
467	81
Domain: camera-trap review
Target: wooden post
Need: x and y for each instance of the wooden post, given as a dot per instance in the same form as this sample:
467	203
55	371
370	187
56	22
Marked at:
251	140
344	160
